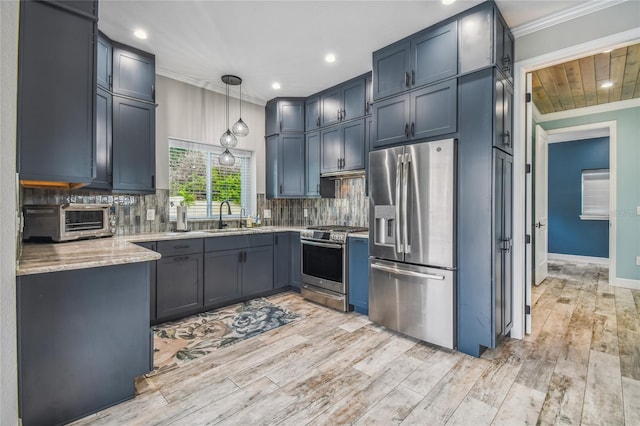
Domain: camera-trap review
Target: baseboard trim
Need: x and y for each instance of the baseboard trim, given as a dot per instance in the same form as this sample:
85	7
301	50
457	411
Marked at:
579	259
627	283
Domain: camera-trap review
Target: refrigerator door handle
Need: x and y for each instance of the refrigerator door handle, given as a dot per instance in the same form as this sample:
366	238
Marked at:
399	241
406	272
405	202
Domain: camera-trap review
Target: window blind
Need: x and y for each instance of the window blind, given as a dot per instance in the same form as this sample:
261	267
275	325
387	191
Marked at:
595	194
194	171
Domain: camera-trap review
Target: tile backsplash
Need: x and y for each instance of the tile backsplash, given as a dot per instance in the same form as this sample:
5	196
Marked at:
131	210
350	207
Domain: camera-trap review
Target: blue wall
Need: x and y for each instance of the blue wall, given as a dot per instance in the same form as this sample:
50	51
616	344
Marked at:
567	233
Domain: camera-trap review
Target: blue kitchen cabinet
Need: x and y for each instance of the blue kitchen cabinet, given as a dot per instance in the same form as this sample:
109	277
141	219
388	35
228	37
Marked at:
134	73
296	261
312	164
104	127
151	245
285	165
359	274
284	115
422	113
312	113
104	62
344	102
56	92
281	259
424	58
342	147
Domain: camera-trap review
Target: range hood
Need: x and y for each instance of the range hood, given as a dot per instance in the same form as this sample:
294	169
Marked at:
344	174
41	184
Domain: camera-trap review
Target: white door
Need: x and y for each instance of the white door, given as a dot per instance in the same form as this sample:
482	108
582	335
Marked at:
528	223
540	206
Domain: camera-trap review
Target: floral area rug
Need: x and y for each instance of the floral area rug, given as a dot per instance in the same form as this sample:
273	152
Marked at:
179	342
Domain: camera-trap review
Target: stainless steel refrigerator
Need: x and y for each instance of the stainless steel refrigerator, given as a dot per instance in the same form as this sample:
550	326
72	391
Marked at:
412	193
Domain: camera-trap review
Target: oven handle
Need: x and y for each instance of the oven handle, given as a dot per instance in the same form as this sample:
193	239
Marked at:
326	245
406	272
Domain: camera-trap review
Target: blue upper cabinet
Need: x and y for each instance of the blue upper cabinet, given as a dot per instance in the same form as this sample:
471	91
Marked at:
104	62
344	102
422	113
434	55
424	58
342	147
485	39
391	67
284	115
312	113
285	165
56	93
312	164
134	73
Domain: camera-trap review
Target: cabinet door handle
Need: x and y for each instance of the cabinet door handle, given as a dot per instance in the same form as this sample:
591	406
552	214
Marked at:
413	77
317	187
406	79
406	130
318	121
276	239
180	258
280	125
344	114
110	82
244	255
280	188
181	247
413	129
153	92
240	257
153	181
506	138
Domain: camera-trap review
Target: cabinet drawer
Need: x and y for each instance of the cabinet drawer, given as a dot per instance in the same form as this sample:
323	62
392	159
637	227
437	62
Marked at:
225	243
256	240
180	247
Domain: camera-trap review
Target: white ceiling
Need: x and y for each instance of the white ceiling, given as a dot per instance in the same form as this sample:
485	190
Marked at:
284	41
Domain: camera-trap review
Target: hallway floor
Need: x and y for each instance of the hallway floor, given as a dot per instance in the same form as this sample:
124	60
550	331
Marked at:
581	365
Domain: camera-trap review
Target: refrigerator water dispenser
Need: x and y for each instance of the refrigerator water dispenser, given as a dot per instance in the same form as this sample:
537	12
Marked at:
385	225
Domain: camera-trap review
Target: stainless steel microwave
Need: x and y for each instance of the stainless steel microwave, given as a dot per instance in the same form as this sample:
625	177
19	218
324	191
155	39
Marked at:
66	222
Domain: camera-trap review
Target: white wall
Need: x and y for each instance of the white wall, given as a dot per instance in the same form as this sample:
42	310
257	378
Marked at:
196	114
8	89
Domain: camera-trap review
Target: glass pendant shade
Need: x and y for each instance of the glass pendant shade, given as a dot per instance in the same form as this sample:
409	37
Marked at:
228	139
226	158
240	128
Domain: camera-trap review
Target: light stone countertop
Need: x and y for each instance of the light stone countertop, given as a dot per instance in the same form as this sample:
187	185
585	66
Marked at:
38	258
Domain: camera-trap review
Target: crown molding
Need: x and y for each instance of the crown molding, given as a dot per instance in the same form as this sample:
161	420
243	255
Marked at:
205	85
564	16
596	109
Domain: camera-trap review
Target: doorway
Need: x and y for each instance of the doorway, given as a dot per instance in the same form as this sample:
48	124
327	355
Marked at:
523	159
573	165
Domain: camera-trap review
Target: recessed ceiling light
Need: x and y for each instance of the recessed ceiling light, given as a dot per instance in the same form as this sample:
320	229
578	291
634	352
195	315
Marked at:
275	86
607	84
330	58
141	34
448	1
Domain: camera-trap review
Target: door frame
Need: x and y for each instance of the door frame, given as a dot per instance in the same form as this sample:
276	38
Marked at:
581	132
520	227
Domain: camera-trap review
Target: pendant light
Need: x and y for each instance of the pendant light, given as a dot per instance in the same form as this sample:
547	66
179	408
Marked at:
228	139
240	128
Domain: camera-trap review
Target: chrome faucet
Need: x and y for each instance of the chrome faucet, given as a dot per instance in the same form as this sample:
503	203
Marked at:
220	224
243	224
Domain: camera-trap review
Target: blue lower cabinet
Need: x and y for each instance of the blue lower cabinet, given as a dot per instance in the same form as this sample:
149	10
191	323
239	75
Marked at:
359	274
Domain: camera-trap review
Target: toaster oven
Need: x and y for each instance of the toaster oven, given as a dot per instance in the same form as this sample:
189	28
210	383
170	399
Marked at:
66	222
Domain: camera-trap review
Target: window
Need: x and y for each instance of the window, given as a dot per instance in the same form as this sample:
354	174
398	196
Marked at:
595	194
194	172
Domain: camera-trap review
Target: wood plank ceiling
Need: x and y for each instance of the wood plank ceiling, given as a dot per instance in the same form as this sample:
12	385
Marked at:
578	83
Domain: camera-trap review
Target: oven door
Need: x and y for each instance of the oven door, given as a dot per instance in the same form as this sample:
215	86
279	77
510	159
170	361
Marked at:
323	265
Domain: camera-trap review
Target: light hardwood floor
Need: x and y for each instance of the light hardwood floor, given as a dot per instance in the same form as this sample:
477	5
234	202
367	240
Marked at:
581	365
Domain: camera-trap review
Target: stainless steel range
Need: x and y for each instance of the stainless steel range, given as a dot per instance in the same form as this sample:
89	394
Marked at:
324	265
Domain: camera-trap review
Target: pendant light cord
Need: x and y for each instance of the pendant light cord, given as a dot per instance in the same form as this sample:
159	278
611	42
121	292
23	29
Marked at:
240	100
227	106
